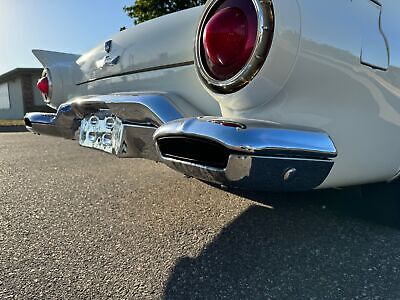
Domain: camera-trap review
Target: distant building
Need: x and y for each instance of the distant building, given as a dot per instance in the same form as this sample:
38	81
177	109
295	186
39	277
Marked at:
18	93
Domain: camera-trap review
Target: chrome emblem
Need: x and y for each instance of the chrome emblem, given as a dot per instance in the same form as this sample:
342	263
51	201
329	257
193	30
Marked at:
108	46
107	60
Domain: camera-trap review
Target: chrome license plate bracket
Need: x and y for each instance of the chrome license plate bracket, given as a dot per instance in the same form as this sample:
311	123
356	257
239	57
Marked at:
101	132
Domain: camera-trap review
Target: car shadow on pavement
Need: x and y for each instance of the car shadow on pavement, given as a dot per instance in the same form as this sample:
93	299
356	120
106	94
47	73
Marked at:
318	245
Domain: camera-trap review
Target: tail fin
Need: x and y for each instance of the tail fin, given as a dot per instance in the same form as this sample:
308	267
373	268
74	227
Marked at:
50	58
62	71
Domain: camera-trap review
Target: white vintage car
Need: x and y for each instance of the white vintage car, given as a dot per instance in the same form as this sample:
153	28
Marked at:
281	95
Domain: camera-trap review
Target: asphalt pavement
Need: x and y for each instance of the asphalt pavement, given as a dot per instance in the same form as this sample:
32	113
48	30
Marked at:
79	224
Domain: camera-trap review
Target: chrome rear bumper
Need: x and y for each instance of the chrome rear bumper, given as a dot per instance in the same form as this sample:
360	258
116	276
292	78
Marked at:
236	153
139	116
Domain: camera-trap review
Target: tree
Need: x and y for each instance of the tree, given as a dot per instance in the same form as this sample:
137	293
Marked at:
143	10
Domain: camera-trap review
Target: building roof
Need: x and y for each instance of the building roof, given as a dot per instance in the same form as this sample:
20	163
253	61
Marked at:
17	72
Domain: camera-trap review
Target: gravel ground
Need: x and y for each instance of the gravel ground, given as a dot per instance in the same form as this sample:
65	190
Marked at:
77	224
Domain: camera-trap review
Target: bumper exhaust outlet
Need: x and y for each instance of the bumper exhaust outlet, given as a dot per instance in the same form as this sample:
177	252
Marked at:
246	154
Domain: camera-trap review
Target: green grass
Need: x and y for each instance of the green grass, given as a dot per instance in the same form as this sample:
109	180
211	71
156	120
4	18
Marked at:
11	122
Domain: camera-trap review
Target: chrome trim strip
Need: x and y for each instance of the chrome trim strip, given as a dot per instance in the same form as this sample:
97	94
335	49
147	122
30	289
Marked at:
136	71
265	14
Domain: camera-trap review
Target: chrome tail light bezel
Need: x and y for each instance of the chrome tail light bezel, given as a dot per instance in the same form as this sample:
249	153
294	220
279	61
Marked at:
265	31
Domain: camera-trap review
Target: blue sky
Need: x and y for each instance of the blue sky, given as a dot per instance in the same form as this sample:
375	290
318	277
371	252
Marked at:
73	26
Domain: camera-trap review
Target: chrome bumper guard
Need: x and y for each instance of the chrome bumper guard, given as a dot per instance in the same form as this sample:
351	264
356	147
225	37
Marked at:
246	154
236	153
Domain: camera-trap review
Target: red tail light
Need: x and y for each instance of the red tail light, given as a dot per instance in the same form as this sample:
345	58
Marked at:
232	42
43	85
229	38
